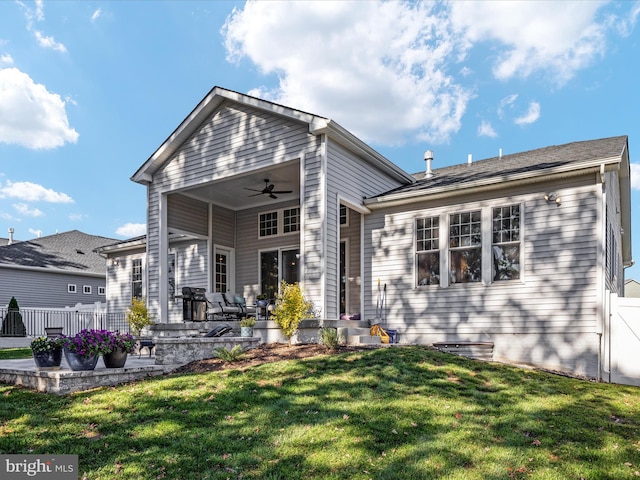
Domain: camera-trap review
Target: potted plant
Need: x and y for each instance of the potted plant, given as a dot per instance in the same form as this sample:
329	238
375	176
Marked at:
261	300
83	349
246	326
118	346
138	316
47	353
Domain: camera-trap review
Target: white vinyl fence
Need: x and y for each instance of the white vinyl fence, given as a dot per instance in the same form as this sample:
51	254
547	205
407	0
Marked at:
71	319
622	344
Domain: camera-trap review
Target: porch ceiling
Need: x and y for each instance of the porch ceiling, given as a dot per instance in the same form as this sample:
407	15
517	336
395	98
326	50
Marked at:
231	192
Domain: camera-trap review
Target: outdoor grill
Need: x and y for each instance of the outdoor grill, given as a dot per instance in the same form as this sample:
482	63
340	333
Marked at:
194	304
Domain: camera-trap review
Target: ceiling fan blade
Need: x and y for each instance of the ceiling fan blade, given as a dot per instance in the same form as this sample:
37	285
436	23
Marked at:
272	196
282	191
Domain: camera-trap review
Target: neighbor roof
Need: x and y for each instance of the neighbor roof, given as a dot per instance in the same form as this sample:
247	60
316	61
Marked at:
69	251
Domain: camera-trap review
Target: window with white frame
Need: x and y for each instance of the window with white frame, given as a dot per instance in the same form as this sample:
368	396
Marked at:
344	218
136	278
268	224
428	250
71	288
465	247
291	220
86	289
102	291
505	249
279	222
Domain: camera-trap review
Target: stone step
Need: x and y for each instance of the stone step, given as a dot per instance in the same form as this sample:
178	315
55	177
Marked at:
363	340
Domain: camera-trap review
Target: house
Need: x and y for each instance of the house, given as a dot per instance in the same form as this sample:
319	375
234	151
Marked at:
632	288
53	271
519	250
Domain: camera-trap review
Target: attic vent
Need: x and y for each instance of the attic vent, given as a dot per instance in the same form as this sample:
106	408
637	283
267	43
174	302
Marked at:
79	251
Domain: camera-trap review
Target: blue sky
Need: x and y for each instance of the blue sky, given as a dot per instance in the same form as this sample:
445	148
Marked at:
88	90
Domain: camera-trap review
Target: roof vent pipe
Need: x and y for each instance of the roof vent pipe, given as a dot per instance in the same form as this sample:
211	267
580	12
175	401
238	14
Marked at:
500	153
428	157
469	159
11	230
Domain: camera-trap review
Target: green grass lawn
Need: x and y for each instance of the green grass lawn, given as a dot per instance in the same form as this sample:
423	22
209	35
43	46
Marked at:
394	413
14	353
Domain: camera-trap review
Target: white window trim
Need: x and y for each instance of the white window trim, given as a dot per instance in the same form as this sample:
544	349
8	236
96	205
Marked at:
274	249
71	288
486	210
86	289
280	219
102	291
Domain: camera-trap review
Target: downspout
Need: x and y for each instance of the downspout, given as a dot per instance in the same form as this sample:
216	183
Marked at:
603	310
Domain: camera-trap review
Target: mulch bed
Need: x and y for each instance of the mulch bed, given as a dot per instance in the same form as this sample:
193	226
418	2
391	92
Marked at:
265	353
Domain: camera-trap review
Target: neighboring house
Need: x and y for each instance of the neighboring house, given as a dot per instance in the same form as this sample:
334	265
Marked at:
632	288
519	250
54	271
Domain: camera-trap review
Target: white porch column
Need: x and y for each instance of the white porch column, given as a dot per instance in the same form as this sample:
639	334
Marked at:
163	267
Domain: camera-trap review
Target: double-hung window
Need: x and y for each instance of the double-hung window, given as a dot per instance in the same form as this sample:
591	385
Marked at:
136	278
428	250
465	247
506	242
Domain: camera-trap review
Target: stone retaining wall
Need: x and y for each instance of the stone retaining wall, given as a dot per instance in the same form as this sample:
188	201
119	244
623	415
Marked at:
181	350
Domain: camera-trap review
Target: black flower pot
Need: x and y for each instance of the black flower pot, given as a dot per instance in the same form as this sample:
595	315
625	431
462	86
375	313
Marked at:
115	359
80	362
49	360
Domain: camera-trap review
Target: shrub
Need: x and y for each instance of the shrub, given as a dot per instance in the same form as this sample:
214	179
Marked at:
291	308
138	315
229	354
329	338
12	324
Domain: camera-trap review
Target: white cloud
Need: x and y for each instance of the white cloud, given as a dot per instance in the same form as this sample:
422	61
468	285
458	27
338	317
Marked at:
32	192
635	176
625	26
532	115
486	130
506	104
49	42
37	15
76	217
96	15
30	115
6	58
132	229
23	209
378	68
555	37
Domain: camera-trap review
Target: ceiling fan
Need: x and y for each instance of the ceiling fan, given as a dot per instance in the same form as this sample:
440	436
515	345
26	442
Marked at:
267	190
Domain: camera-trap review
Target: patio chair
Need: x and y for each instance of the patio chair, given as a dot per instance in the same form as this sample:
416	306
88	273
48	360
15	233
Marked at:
240	301
218	306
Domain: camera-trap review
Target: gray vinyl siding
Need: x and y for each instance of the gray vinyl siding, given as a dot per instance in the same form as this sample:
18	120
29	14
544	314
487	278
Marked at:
119	275
223	226
233	140
352	177
614	274
557	295
187	214
40	289
249	245
313	234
